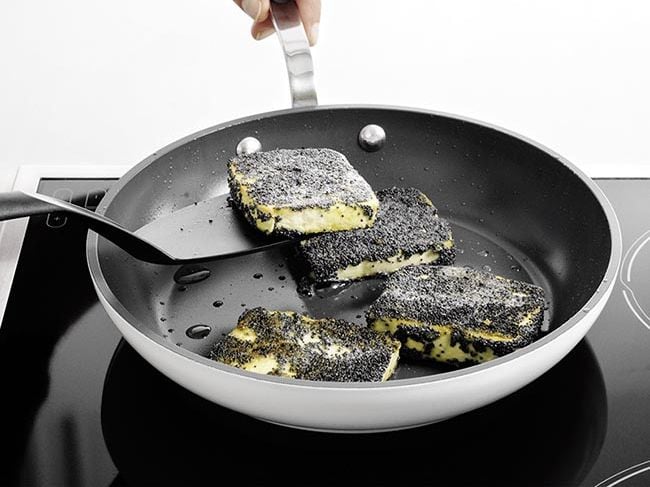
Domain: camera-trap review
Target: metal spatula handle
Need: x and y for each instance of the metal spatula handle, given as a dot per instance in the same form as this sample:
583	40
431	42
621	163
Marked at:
293	39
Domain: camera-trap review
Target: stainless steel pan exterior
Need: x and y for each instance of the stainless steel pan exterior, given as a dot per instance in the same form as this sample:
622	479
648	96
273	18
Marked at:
540	218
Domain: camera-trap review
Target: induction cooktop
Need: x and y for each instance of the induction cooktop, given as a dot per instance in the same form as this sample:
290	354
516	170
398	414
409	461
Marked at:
81	408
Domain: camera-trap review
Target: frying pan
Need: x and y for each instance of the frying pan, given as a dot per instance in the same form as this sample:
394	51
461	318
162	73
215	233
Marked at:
516	208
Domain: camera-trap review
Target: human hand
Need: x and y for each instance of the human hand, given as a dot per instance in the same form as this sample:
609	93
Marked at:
259	11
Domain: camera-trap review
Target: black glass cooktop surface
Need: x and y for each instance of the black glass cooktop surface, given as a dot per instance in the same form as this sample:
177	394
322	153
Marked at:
81	408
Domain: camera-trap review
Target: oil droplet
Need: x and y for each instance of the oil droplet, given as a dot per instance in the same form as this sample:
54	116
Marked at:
460	251
483	253
217	304
190	274
331	289
258	275
198	332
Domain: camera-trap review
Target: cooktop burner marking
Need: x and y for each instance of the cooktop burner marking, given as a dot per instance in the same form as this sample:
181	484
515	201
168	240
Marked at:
632	471
636	252
625	277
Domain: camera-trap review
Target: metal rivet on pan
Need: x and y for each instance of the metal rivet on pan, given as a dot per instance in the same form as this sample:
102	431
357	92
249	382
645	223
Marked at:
372	138
248	145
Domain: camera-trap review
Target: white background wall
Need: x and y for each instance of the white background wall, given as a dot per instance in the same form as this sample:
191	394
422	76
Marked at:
84	81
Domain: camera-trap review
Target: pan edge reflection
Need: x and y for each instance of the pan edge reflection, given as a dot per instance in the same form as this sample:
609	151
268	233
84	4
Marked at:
549	432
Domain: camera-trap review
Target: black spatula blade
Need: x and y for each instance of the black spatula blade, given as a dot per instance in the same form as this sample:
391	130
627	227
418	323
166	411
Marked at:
206	230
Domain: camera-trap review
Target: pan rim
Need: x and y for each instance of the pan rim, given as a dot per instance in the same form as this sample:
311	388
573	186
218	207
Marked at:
616	249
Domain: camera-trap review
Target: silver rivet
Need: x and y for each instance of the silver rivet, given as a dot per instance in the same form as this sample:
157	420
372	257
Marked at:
372	138
248	145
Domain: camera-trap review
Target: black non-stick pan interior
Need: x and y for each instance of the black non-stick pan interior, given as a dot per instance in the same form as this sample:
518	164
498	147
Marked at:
515	209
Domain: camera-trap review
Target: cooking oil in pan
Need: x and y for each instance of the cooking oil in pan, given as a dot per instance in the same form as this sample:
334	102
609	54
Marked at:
190	274
217	293
198	332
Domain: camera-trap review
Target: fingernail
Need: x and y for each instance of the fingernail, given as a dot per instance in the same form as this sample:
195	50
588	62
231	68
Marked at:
252	8
264	34
313	34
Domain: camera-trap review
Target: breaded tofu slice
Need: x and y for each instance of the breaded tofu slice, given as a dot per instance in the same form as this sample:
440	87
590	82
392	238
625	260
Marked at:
407	231
288	344
457	315
301	191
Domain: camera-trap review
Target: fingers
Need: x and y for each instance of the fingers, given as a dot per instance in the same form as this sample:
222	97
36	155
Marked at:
258	10
310	15
261	30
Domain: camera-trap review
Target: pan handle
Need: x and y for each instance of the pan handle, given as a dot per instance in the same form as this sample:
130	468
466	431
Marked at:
16	204
291	32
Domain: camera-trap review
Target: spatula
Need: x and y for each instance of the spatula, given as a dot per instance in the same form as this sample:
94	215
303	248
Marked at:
207	230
